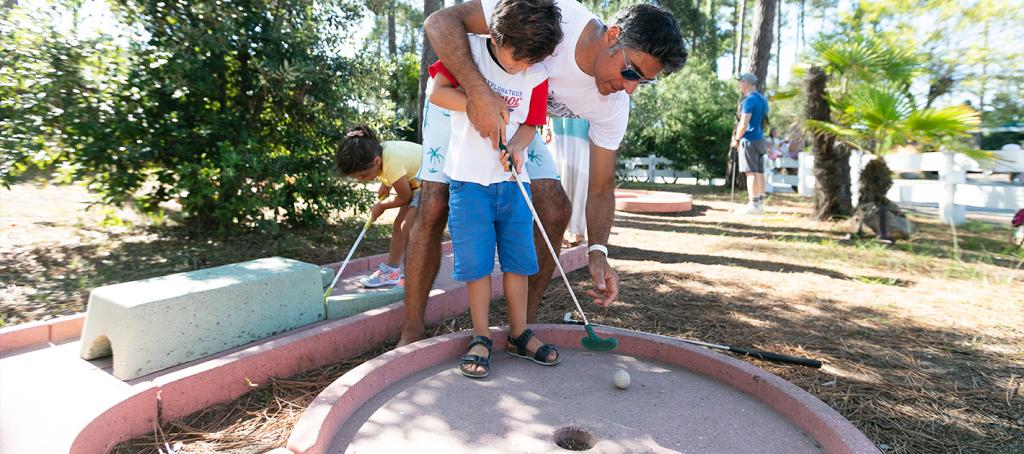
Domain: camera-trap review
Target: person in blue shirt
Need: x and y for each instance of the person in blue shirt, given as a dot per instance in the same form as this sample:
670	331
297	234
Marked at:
749	139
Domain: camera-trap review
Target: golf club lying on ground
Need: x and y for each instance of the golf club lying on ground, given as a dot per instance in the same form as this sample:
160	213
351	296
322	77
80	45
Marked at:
591	341
762	355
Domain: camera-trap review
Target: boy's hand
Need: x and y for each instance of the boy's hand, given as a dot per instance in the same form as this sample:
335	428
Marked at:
517	159
376	210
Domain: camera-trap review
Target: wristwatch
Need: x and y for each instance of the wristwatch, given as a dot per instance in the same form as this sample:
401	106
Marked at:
597	247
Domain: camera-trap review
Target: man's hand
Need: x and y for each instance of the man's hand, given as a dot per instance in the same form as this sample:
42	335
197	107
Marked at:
376	210
735	143
606	280
488	113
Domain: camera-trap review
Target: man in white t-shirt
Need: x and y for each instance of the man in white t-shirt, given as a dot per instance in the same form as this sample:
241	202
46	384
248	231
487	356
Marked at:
590	75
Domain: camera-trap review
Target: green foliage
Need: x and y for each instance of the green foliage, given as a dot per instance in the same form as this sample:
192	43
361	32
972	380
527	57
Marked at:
877	118
231	108
48	87
687	118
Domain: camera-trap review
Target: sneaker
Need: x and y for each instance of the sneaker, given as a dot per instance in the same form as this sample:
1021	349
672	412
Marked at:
385	275
750	208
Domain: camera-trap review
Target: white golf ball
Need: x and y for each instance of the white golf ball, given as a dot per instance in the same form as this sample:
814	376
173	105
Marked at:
621	379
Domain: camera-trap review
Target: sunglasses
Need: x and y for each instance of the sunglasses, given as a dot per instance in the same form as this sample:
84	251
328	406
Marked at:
630	73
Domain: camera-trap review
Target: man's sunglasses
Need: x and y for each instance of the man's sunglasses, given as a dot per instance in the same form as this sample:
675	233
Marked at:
630	73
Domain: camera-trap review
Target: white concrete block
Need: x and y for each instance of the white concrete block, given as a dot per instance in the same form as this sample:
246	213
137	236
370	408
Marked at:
161	322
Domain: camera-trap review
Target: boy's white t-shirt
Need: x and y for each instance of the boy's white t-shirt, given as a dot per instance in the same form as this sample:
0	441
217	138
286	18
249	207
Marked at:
470	157
571	92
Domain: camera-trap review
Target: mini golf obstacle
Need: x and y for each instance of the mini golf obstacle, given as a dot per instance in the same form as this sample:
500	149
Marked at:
641	201
682	399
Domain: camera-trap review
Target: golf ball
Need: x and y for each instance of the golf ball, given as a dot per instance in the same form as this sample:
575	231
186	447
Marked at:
621	379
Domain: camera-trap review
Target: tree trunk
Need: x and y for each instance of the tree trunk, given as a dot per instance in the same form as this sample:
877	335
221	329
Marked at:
392	48
831	162
736	38
733	177
800	31
426	59
761	41
778	43
742	31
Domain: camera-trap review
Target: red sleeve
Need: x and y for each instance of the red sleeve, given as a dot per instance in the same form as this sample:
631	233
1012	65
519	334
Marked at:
438	67
537	115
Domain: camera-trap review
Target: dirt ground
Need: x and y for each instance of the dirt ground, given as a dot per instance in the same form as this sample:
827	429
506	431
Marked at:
923	351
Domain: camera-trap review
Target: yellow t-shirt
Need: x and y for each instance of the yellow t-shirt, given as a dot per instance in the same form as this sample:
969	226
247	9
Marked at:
401	159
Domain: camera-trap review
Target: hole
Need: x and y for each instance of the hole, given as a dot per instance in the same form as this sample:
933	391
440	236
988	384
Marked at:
574	438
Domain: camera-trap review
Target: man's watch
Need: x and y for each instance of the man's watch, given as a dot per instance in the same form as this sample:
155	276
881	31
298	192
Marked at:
597	247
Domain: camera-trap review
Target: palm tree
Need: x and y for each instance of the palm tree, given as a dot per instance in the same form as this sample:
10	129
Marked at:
876	118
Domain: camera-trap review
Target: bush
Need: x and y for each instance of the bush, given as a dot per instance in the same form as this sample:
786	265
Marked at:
686	117
233	109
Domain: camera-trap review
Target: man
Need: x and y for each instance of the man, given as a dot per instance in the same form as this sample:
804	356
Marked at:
591	73
752	146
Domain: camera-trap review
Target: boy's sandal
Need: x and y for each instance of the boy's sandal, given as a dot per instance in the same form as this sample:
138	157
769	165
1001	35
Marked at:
539	357
477	360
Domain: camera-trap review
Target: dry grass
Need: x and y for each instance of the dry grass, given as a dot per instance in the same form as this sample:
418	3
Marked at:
924	353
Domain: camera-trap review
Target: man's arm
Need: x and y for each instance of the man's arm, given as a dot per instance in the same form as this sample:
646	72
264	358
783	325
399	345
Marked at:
741	128
600	214
446	29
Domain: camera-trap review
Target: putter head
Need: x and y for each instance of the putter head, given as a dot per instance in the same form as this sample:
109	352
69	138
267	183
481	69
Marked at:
592	342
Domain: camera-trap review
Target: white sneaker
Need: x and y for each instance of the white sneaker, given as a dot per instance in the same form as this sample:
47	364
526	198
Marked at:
385	275
750	208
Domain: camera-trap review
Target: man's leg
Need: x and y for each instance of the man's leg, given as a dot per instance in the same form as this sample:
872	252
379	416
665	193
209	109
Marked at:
554	210
751	187
423	257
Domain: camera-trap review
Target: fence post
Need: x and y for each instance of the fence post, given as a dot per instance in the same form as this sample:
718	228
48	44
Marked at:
949	211
652	166
805	174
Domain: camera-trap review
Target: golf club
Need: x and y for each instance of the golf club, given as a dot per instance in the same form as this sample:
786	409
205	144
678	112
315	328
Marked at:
348	257
591	341
762	355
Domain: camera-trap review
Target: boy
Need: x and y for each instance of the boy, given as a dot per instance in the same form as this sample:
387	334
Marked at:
486	207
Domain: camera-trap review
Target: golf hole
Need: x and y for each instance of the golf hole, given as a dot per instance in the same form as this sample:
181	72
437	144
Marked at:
574	438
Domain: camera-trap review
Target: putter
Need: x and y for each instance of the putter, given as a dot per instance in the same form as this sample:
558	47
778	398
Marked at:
591	341
762	355
348	257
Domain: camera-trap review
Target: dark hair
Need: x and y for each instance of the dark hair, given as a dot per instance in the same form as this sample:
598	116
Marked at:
655	31
357	150
530	28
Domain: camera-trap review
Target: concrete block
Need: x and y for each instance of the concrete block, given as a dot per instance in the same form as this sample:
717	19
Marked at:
157	323
327	275
349	304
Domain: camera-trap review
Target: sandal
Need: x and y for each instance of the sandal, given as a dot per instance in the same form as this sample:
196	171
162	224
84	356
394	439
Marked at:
470	359
539	357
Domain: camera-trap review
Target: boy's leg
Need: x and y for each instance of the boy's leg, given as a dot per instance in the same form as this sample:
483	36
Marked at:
479	311
471	223
517	255
554	210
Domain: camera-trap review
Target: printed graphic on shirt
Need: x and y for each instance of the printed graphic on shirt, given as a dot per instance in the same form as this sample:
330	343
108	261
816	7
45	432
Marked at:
558	109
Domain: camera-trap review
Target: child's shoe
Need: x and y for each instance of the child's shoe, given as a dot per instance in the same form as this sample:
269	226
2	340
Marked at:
385	275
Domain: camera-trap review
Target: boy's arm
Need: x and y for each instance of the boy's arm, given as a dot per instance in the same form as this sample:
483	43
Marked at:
444	94
446	29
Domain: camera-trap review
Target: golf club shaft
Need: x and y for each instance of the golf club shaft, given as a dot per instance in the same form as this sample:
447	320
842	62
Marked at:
544	233
347	258
762	355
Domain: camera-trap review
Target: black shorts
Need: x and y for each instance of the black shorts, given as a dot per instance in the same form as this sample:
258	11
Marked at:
752	155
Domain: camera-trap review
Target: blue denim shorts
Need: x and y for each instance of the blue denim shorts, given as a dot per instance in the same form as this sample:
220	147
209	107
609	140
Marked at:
481	218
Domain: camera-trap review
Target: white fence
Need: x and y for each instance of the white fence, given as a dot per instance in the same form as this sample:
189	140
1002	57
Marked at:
952	191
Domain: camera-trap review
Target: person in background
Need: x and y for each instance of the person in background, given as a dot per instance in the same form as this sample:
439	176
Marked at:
749	140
